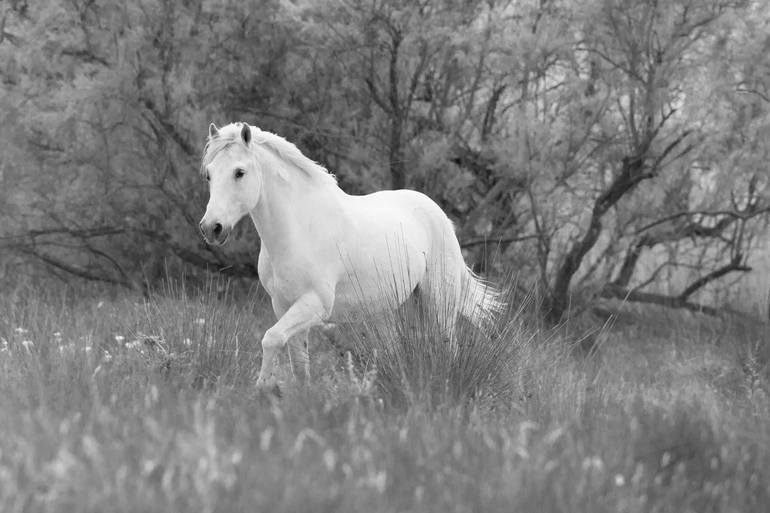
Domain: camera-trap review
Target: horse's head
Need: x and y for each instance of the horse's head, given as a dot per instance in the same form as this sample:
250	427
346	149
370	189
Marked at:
235	182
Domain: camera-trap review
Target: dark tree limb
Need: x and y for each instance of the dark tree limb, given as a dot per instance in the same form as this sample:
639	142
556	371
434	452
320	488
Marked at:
34	242
632	173
490	112
74	270
169	129
397	115
681	300
637	296
237	269
626	272
735	264
692	230
31	236
479	241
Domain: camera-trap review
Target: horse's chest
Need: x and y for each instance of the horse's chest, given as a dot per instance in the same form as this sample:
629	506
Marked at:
285	279
277	281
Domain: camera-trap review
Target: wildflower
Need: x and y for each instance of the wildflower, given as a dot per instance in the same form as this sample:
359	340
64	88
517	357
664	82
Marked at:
593	463
66	348
376	480
100	304
28	344
187	342
330	459
20	331
200	321
265	438
619	480
119	338
135	345
107	356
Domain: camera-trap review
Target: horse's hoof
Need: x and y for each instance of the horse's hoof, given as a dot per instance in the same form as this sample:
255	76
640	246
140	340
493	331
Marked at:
269	390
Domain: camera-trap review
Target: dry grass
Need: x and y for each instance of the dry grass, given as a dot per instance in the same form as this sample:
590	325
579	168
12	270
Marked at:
132	405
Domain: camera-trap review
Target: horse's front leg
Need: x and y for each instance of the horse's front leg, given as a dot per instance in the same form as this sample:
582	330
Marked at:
308	311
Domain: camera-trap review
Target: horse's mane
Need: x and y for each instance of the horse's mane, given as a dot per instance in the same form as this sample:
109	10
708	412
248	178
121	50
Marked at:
231	134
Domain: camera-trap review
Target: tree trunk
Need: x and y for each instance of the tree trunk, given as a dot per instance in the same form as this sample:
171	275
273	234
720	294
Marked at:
632	172
396	155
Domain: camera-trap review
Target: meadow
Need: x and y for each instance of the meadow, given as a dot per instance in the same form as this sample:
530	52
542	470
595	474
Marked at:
122	403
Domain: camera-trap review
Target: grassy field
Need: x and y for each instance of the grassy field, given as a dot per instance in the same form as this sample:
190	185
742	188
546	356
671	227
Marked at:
134	405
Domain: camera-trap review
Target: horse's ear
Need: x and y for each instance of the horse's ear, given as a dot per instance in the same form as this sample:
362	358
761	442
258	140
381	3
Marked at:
213	130
246	133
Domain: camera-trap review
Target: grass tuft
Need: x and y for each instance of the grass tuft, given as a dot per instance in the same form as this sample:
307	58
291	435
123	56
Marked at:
412	361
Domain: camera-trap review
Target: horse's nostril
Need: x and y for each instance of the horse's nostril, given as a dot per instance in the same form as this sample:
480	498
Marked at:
217	228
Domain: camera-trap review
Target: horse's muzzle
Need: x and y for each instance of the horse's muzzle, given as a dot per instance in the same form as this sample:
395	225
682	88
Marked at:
214	233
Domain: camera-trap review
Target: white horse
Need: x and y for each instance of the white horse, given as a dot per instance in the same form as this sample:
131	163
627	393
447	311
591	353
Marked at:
326	255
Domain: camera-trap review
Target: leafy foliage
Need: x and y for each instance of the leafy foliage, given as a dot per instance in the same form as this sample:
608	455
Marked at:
609	146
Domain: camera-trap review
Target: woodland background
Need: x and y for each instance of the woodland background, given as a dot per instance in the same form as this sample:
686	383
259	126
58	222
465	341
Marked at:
599	148
595	150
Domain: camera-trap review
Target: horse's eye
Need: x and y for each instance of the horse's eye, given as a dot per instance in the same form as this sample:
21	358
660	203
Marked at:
239	173
208	177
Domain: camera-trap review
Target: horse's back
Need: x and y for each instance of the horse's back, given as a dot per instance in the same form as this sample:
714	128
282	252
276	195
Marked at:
388	246
406	217
405	206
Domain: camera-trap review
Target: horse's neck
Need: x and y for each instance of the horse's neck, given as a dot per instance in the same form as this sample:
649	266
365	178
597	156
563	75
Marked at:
284	210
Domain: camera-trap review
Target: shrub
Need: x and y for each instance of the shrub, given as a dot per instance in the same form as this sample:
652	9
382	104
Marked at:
413	362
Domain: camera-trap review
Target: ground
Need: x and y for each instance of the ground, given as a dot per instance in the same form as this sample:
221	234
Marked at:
133	404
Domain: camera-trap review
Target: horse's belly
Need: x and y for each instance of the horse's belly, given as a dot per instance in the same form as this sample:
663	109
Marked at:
382	285
358	307
383	257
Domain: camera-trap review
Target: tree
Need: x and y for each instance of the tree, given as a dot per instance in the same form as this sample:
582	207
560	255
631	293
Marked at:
640	141
613	147
118	95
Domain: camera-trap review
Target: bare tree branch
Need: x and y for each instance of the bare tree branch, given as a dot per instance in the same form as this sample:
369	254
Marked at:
74	270
636	296
734	265
479	241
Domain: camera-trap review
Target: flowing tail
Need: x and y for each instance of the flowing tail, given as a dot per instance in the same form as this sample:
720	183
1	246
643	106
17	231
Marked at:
481	303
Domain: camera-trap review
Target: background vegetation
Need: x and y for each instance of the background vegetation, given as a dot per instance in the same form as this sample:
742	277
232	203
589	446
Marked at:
605	148
149	405
595	149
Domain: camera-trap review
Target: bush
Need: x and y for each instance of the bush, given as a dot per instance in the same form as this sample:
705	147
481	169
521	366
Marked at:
411	361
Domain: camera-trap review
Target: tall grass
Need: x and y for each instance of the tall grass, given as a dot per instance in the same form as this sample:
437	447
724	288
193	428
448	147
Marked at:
666	416
414	362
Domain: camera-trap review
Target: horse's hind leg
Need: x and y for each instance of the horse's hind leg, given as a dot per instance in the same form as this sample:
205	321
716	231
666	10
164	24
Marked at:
299	354
440	298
